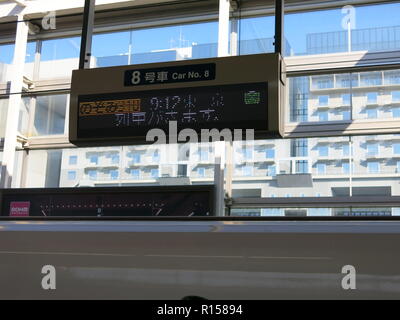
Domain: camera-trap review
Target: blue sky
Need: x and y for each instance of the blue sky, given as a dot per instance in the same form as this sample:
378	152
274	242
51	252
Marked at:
297	26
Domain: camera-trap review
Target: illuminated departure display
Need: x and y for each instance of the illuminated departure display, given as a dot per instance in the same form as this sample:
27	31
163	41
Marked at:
126	114
109	107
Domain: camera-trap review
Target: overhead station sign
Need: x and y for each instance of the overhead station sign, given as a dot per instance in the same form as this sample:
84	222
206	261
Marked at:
121	104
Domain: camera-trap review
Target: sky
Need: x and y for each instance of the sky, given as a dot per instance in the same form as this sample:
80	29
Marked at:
297	26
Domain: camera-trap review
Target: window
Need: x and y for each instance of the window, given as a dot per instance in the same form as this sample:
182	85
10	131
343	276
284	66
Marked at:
271	171
345	168
301	166
203	154
299	147
114	174
248	153
319	212
321	168
313	96
6	59
323	82
346	115
392	77
201	172
92	174
50	115
94	159
343	80
323	115
182	170
371	79
372	149
323	151
178	42
298	98
396	112
111	55
29	59
256	35
71	175
398	167
23	117
156	156
135	173
396	148
270	153
373	167
345	150
154	173
372	113
346	99
73	160
396	96
115	158
247	171
323	32
59	57
323	101
7	53
372	97
272	212
136	157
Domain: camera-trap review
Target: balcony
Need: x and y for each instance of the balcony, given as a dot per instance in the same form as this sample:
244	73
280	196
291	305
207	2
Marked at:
257	159
373	138
327	158
103	163
208	160
371	104
323	107
142	163
359	82
376	155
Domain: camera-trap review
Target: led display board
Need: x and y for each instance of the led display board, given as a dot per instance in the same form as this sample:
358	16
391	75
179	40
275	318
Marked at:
144	201
121	104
